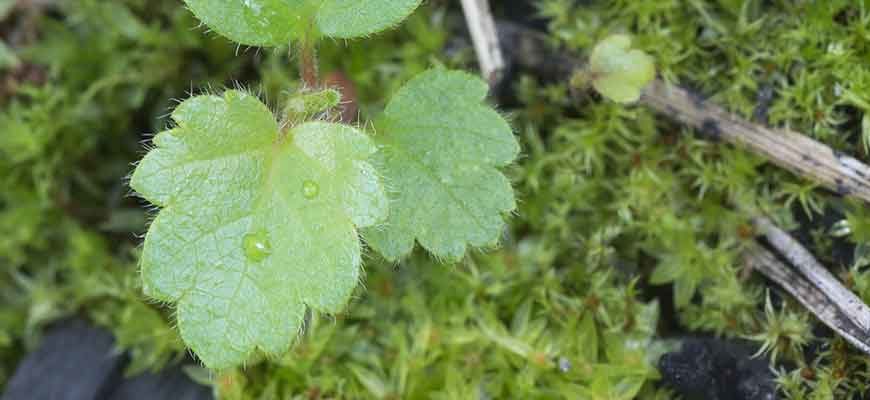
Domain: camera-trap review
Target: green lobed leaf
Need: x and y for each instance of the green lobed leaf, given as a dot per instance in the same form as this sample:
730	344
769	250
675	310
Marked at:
354	18
254	225
441	149
257	22
619	72
277	22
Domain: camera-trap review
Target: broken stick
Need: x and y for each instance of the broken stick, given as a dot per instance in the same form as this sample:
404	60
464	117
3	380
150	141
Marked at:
793	151
809	295
486	44
790	150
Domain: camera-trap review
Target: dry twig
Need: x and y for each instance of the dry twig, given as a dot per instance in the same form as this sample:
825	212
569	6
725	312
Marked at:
485	38
790	150
815	273
810	296
815	287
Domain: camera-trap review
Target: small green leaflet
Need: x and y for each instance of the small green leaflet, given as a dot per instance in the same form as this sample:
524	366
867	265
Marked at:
441	149
254	225
619	72
277	22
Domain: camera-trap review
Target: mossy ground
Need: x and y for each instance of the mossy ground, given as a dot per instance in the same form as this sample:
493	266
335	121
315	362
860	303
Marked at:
626	238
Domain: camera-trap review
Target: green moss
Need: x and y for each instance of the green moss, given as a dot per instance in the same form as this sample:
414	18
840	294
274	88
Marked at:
669	194
618	207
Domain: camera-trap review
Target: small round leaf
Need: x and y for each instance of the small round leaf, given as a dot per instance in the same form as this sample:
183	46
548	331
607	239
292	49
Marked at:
619	72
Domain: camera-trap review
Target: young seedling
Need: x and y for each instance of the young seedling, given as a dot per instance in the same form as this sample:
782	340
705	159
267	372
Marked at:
261	215
617	71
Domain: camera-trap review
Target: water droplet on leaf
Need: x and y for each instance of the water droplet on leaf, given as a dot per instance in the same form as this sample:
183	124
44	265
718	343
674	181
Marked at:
257	246
564	364
310	189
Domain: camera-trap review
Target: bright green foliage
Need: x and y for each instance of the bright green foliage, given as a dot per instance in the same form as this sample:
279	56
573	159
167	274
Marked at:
418	332
277	22
66	248
278	216
619	72
441	150
254	225
671	195
784	332
354	18
610	195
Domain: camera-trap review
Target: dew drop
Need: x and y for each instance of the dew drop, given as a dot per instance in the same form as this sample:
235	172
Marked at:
564	364
310	189
257	246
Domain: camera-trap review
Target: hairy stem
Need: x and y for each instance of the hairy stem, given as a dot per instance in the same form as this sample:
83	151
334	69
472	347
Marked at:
308	63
